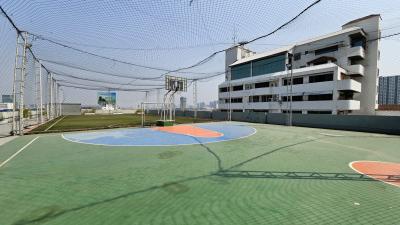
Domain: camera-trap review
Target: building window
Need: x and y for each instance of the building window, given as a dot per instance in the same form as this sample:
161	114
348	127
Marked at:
269	65
295	98
319	112
321	78
254	98
322	97
296	80
248	86
237	100
297	56
234	100
238	88
358	40
326	50
262	85
223	89
241	71
264	98
293	111
355	61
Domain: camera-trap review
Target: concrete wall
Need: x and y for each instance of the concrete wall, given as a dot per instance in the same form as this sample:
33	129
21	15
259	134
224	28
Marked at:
68	109
377	124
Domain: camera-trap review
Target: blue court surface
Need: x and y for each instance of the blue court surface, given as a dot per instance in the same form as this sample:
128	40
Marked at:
152	137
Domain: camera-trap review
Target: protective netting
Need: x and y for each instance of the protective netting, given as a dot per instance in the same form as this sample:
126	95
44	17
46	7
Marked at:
7	53
129	46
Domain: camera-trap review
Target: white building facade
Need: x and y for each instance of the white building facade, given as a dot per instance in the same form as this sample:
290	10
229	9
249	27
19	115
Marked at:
331	74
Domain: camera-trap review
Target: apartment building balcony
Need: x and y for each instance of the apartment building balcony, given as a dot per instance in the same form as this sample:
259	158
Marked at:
356	52
233	106
357	69
341	85
327	105
348	85
299	105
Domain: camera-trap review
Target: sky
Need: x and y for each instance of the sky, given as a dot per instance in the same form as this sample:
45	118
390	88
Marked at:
166	35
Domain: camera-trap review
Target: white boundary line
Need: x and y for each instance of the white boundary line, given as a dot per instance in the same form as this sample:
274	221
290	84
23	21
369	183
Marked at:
332	135
209	142
55	123
351	166
15	154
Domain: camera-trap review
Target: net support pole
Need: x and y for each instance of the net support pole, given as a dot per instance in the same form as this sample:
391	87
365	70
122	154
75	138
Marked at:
291	87
48	96
146	96
40	94
158	100
59	99
230	102
195	98
14	92
22	86
51	96
57	105
142	109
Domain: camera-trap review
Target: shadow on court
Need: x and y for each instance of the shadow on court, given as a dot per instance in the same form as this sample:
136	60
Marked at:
306	175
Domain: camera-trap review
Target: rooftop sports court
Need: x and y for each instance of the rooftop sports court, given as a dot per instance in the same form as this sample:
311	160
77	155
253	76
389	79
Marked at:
209	173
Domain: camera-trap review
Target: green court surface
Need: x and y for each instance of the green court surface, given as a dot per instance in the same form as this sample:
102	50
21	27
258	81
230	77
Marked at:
54	181
88	122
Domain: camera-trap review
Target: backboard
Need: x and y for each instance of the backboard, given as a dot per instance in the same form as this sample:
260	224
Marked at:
173	83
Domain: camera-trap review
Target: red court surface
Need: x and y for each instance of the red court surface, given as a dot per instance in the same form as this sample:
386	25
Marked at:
379	170
191	131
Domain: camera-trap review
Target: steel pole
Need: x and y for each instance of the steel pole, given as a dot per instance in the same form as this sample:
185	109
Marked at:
195	98
51	97
40	93
22	87
14	127
291	88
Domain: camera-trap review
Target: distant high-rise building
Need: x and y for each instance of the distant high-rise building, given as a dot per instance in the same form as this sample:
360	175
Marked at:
201	105
213	104
389	90
183	102
6	98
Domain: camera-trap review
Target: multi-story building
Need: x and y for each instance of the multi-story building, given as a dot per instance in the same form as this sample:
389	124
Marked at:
182	103
334	74
389	90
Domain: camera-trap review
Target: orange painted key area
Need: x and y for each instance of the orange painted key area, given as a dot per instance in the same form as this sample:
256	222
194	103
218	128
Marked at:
379	168
191	131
